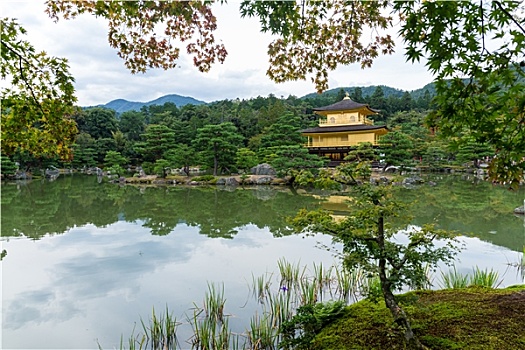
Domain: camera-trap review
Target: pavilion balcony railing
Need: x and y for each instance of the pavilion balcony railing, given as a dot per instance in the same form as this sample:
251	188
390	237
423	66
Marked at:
311	143
323	122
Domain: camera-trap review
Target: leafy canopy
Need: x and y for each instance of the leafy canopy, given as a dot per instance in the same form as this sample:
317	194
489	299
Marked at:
474	49
368	235
133	28
37	105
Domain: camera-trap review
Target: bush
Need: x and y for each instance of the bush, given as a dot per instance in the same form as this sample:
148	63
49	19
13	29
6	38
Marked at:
299	332
204	178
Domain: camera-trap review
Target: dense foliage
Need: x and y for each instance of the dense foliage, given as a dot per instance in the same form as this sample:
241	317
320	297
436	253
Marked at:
262	129
474	49
38	104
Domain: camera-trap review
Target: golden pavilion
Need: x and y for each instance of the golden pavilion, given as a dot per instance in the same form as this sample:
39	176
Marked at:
343	126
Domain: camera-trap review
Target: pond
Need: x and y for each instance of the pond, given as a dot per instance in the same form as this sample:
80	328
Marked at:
86	261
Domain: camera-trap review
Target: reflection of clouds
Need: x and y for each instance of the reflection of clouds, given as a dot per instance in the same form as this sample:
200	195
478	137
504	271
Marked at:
108	264
92	283
37	307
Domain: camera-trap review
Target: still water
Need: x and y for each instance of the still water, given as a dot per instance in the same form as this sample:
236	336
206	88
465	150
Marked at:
85	261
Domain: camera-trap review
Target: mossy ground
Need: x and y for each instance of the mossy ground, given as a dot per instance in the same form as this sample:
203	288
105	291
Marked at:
471	318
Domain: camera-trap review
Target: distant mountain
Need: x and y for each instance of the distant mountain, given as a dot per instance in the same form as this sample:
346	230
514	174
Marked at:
387	90
121	106
367	91
431	87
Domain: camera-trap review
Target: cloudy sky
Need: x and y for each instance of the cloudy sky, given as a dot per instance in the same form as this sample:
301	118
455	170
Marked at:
101	76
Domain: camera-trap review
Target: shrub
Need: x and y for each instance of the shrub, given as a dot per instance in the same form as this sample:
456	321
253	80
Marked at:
299	332
204	178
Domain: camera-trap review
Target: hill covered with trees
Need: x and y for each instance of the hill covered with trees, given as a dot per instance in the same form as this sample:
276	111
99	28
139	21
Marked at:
231	136
121	105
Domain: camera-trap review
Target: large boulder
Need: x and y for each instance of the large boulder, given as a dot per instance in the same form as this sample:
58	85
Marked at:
413	180
263	169
263	180
227	181
520	210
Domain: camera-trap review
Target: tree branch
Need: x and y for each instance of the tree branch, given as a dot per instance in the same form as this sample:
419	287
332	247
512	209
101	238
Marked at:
509	16
22	59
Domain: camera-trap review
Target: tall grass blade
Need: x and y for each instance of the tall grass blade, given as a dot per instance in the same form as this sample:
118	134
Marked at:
484	278
453	279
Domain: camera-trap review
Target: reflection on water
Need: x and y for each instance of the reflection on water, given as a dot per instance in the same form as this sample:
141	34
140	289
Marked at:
100	256
41	208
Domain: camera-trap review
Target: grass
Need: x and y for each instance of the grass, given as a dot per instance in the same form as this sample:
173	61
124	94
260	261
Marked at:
485	278
453	279
261	334
214	303
210	324
308	292
438	316
261	286
159	333
479	278
290	274
470	318
348	283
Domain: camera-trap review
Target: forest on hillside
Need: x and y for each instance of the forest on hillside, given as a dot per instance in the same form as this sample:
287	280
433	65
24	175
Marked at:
231	136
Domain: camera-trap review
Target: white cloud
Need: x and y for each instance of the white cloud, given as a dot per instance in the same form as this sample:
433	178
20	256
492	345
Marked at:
101	76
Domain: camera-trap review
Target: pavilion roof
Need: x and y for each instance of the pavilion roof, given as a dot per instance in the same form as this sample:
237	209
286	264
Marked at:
344	105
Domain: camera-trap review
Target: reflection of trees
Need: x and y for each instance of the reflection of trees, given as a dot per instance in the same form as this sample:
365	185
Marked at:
41	208
470	207
218	213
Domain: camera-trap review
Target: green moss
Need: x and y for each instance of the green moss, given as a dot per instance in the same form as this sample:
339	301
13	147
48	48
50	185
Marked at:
470	318
516	287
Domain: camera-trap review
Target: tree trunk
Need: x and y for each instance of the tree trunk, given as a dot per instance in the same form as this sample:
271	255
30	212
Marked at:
397	312
215	161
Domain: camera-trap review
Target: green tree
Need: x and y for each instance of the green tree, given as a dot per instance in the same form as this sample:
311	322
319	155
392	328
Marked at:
406	102
358	164
357	95
290	160
245	159
424	102
7	166
181	156
83	157
38	103
435	154
469	150
161	167
98	122
284	132
103	146
397	149
158	139
378	101
132	124
114	162
84	151
113	158
341	93
218	145
367	235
